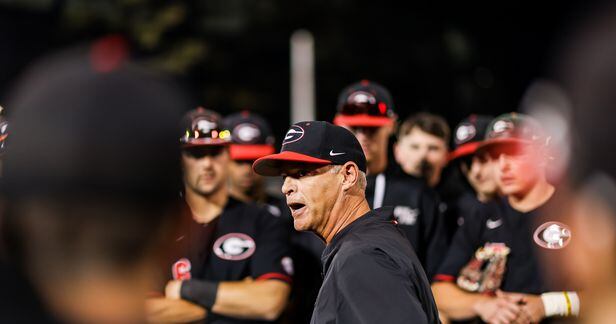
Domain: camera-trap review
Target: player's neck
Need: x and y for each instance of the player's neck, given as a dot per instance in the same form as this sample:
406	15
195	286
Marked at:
484	197
538	195
377	166
239	194
344	213
205	208
256	193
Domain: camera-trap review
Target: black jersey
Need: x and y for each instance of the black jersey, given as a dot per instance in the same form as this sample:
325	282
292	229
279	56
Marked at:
372	275
456	210
416	209
244	241
498	226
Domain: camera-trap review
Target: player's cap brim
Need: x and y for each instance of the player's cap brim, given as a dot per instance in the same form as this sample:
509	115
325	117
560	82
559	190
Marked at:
464	150
494	143
362	120
250	152
205	142
272	165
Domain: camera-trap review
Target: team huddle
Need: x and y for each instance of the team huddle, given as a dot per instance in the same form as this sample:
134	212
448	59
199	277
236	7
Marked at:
376	219
403	243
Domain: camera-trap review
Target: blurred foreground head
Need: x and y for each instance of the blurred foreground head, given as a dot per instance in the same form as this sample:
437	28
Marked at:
90	175
588	73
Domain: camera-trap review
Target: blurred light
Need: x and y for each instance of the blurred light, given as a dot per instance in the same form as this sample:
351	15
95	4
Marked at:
108	53
302	76
548	103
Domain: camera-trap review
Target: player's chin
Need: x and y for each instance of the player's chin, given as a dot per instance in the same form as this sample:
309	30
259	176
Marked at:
509	189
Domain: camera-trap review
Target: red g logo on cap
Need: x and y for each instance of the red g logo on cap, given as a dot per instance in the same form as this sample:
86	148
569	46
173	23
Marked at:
181	269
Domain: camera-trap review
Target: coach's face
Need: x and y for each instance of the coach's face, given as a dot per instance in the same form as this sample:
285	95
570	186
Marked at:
205	168
311	192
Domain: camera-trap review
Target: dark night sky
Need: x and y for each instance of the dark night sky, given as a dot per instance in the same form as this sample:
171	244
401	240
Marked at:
453	58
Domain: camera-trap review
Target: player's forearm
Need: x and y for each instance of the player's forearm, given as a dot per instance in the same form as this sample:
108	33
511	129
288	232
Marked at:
252	299
164	310
455	303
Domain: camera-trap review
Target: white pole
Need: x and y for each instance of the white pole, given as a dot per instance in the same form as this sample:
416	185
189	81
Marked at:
302	76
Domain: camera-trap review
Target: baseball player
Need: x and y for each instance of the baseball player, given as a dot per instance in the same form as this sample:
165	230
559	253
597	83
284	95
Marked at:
421	148
229	258
252	139
492	270
476	179
366	109
371	273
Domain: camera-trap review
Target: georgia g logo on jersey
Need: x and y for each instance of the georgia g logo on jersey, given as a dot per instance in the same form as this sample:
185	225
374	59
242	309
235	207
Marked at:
234	247
181	269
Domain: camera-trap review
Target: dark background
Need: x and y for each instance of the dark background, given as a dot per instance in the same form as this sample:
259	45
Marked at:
452	58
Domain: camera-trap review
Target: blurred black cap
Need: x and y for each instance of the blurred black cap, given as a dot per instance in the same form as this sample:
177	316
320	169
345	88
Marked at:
251	136
77	129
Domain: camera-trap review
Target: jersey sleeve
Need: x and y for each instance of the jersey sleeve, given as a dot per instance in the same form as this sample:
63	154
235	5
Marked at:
465	242
385	289
272	258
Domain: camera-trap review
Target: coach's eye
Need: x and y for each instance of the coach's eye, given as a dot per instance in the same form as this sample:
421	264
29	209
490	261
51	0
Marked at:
302	173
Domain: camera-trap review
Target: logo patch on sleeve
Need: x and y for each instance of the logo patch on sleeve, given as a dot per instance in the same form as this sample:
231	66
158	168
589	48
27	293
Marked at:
180	270
234	247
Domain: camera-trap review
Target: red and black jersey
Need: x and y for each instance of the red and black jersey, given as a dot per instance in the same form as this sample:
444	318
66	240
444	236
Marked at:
244	241
498	226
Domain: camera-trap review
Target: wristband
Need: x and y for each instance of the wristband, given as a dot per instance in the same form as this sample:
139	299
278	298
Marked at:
562	303
199	291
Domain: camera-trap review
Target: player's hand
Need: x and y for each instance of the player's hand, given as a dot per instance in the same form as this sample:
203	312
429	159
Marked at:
172	289
498	310
533	310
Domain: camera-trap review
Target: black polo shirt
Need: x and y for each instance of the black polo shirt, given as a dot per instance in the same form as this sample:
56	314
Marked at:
416	209
244	241
372	275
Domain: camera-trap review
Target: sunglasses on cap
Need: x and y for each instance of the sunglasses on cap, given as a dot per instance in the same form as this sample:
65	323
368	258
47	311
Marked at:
205	132
362	102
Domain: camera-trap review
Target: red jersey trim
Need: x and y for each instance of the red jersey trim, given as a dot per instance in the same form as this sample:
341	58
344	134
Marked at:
274	275
444	277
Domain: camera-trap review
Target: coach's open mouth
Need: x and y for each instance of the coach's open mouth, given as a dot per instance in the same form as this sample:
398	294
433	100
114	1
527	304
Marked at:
296	208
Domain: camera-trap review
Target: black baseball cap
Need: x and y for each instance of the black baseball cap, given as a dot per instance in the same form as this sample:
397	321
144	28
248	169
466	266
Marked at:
313	142
202	127
251	136
366	104
513	129
468	135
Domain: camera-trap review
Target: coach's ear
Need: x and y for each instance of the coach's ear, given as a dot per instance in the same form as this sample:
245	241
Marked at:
350	175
